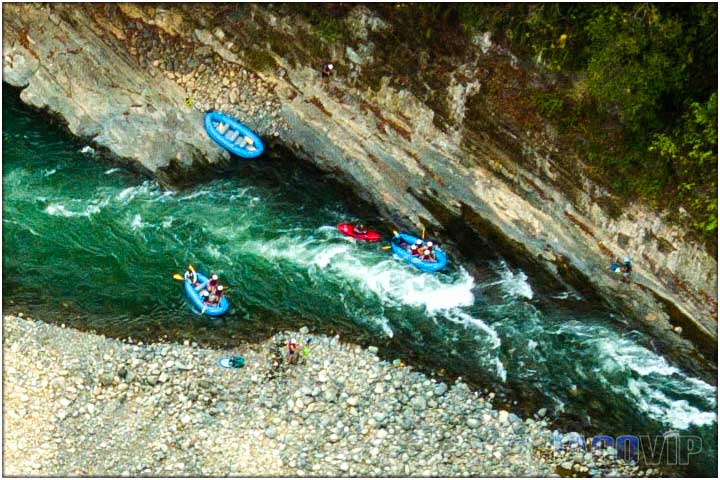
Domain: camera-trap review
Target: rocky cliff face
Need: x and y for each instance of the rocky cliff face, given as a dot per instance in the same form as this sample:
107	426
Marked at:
120	75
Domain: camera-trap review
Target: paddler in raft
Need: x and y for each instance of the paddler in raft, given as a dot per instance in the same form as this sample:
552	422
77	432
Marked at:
217	295
360	229
249	144
210	285
427	254
416	249
191	276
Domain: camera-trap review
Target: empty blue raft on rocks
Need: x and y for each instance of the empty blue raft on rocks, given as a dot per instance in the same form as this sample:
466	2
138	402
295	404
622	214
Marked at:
233	135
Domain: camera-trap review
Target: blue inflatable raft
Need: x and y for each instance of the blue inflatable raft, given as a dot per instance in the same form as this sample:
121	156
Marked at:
400	244
194	297
233	135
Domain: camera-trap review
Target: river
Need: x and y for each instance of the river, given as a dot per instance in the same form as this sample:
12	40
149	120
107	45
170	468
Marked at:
97	245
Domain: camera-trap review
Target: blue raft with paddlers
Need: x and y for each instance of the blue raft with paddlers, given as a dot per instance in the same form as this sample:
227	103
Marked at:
401	242
233	135
194	297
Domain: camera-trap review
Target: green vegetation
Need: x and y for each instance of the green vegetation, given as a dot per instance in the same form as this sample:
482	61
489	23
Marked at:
259	60
642	90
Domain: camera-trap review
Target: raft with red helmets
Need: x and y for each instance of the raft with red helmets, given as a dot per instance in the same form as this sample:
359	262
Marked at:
349	230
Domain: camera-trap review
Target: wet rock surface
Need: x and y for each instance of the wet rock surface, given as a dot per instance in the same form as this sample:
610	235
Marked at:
81	404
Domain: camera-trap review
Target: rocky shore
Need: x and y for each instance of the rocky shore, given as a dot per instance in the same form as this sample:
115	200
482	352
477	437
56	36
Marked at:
81	404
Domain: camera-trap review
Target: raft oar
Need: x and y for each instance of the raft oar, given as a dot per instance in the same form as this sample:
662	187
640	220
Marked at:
178	277
388	247
423	234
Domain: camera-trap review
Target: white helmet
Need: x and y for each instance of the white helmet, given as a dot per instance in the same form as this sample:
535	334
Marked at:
220	288
418	242
204	293
330	66
429	244
293	341
214	277
248	140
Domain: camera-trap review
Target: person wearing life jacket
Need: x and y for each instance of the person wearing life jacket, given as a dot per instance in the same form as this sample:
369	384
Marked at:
191	276
428	255
360	229
212	283
217	296
293	350
416	249
205	297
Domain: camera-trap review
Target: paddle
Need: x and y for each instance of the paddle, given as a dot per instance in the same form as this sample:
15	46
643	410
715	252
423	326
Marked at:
388	247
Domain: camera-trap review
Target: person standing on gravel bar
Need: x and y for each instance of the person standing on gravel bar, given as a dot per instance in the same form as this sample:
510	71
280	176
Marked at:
292	351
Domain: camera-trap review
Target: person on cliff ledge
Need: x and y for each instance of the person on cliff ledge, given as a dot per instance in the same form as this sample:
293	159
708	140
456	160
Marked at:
326	71
626	269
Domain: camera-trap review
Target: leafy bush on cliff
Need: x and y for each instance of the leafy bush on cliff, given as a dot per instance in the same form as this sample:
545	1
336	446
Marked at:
650	72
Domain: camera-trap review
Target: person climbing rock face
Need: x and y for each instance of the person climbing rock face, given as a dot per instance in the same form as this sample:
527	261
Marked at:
626	269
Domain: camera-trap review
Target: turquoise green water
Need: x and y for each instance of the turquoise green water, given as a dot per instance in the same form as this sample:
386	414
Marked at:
100	244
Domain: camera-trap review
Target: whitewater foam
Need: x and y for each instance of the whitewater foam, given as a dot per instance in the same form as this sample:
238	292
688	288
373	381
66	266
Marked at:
651	381
384	324
137	222
389	280
147	188
513	284
676	413
59	210
458	316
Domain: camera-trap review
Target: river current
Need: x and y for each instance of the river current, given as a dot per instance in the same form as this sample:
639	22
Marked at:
97	245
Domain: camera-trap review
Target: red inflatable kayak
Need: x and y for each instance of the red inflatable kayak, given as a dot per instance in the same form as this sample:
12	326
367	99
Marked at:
349	230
